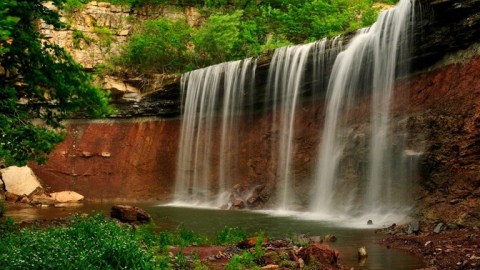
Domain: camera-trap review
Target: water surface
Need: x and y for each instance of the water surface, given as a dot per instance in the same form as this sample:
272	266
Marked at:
210	221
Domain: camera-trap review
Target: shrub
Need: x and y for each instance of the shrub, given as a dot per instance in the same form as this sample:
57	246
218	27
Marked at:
158	46
86	243
230	236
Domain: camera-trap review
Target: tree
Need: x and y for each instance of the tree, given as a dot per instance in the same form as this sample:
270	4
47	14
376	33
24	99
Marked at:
40	84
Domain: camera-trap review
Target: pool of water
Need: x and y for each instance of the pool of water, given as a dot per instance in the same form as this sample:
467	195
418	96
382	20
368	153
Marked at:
210	221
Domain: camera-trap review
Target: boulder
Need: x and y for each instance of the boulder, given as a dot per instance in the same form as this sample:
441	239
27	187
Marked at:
42	200
414	227
238	204
130	214
330	238
66	196
317	253
20	180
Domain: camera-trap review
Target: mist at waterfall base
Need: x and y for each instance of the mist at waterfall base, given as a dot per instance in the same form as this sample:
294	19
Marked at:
362	167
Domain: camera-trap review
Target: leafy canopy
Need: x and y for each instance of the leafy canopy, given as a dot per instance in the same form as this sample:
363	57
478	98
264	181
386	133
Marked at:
40	84
233	30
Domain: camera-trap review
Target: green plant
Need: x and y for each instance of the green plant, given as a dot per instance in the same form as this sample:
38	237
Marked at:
243	261
105	36
78	37
41	72
87	242
215	41
158	46
230	236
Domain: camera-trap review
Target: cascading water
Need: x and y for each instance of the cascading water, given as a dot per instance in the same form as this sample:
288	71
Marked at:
361	168
286	76
364	74
210	94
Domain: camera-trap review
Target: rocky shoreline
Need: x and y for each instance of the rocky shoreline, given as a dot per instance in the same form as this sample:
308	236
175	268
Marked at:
440	246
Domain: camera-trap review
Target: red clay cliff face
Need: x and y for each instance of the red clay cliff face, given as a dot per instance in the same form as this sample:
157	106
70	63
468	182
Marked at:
114	160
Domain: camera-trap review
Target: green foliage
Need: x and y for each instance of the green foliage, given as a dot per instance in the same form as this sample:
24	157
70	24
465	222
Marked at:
86	243
105	36
243	261
230	236
215	41
7	225
43	75
238	29
78	37
158	46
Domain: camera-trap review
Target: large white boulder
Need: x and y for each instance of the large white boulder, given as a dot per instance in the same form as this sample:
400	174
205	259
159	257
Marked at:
66	196
20	180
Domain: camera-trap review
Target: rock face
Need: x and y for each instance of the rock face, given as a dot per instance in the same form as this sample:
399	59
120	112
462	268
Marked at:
114	159
19	180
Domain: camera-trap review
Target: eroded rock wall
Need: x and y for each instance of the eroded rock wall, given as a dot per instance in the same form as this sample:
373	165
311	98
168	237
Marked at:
445	115
114	160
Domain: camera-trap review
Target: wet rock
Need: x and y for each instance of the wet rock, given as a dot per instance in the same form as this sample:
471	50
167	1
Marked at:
317	253
316	239
438	228
362	252
10	197
414	227
238	204
330	238
130	214
369	222
24	199
42	200
255	200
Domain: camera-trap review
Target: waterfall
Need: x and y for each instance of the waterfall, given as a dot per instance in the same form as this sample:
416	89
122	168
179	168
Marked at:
364	73
212	97
285	81
361	167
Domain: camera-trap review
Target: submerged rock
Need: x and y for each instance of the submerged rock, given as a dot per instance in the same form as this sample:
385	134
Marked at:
130	214
362	253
